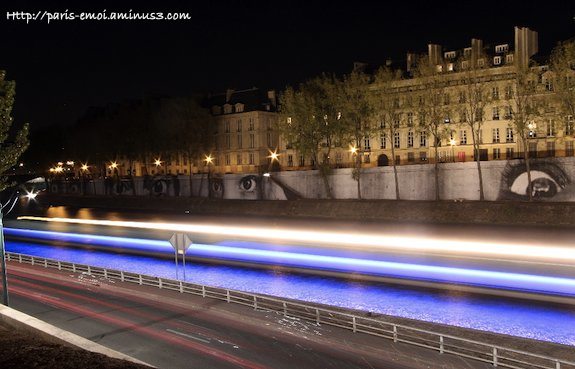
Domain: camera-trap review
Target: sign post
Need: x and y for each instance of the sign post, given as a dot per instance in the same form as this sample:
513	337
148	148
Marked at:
181	243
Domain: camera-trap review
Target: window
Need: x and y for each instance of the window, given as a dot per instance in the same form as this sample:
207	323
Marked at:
382	124
463	116
269	139
462	97
366	157
251	158
509	58
550	149
396	120
338	158
440	68
463	137
239	159
569	125
396	102
227	109
450	67
480	62
239	141
422	140
508	112
495	113
228	143
410	139
239	125
367	143
503	48
464	64
550	128
251	124
509	153
496	153
509	92
383	141
227	159
423	156
185	160
496	60
227	126
480	136
533	149
446	99
410	157
549	84
495	93
410	119
495	135
569	148
301	161
449	54
252	140
509	136
467	52
239	108
290	160
532	130
396	142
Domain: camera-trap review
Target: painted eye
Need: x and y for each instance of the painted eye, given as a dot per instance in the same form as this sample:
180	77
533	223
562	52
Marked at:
543	185
248	183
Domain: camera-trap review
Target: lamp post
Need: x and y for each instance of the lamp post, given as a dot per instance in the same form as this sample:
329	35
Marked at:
209	159
12	200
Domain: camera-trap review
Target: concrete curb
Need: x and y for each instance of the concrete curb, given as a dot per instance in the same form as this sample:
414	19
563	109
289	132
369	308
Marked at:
50	333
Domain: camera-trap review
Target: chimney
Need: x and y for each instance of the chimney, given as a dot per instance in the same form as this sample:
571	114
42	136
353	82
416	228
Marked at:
411	61
272	97
388	62
476	51
526	45
434	53
229	93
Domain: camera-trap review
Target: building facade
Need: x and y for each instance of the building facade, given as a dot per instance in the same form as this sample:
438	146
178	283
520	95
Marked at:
551	135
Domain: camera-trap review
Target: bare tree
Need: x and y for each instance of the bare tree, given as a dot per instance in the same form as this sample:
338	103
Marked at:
563	68
387	106
357	108
526	110
311	122
473	95
433	109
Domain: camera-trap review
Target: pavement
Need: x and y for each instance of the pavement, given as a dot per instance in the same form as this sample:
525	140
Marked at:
171	330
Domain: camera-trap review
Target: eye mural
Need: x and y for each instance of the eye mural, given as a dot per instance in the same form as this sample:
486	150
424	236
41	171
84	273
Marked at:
217	187
548	178
248	183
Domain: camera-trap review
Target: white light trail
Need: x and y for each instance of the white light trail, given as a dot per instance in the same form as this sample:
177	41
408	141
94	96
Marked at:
349	239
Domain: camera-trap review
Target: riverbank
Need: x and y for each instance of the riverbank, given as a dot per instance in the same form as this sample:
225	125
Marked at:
389	211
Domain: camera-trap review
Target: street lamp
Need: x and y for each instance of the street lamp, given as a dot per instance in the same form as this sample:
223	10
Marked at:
9	205
452	143
209	159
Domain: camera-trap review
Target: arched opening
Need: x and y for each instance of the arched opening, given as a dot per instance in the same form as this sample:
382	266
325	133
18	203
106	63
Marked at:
382	160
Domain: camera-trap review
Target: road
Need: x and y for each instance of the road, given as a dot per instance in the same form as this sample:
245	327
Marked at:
200	333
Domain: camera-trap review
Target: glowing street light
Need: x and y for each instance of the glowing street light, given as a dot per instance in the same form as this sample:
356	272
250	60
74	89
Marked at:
70	163
209	159
452	143
113	165
353	150
274	155
84	167
158	162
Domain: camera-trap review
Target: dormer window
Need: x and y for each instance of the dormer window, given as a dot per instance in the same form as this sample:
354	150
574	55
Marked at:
467	52
503	48
464	64
227	109
480	62
440	68
449	55
239	108
450	67
509	59
496	60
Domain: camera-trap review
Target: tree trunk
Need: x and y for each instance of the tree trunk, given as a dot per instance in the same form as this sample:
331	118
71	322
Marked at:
358	174
478	160
132	181
528	169
324	178
191	172
395	170
436	170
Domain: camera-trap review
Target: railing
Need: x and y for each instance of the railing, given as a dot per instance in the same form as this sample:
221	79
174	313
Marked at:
497	356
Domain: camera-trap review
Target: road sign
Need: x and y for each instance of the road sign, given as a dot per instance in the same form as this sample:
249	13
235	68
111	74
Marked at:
181	243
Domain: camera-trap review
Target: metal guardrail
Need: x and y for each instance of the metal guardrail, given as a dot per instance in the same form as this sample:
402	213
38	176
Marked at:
497	356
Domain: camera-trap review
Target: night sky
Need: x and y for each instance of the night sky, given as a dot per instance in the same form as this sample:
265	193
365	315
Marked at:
64	67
